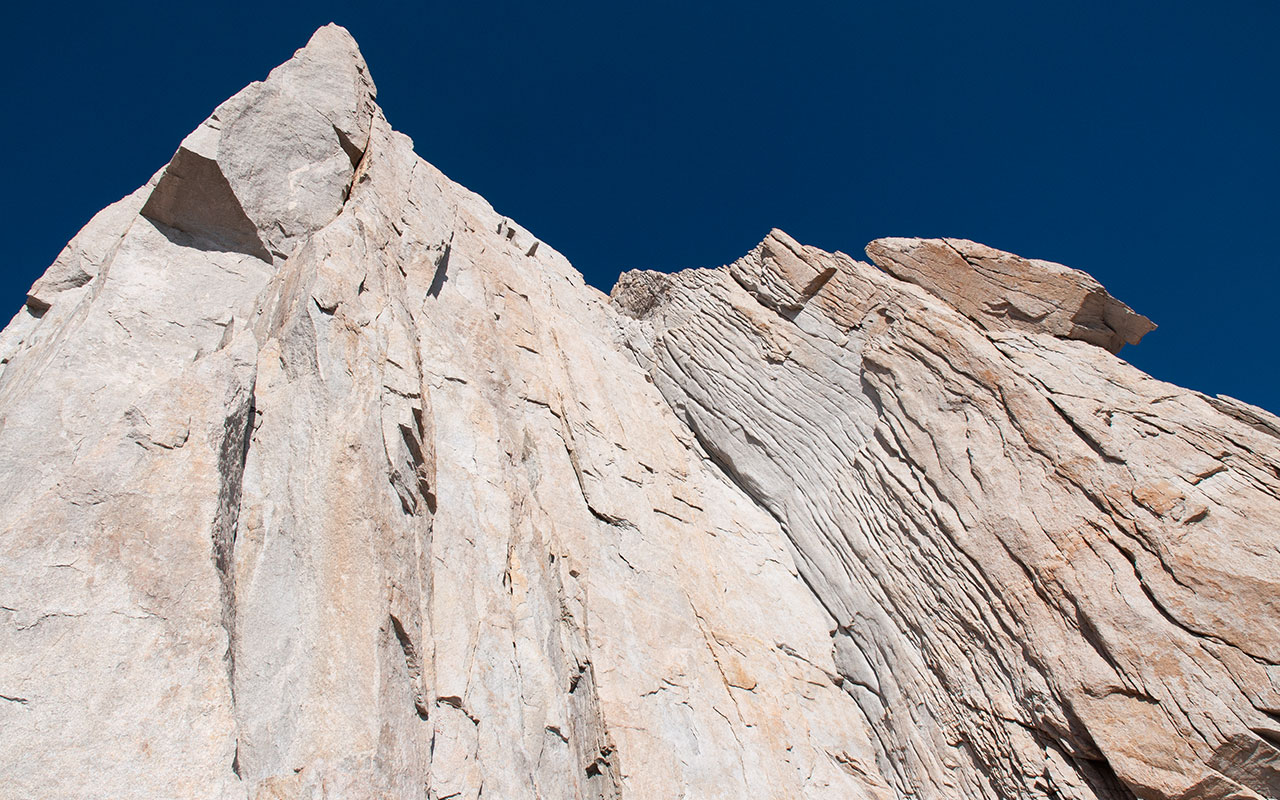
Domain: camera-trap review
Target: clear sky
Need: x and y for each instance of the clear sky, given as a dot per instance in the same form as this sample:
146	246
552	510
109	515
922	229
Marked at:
1137	141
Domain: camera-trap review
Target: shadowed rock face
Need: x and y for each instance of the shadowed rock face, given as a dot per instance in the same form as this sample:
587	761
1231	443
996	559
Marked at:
193	197
323	478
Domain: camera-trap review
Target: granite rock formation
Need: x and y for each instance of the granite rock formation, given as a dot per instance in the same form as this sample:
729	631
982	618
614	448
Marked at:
324	479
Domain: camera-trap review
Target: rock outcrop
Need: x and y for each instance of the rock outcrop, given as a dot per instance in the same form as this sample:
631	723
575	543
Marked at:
324	479
1002	291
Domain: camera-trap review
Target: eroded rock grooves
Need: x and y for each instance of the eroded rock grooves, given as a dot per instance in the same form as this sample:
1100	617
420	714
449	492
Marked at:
325	479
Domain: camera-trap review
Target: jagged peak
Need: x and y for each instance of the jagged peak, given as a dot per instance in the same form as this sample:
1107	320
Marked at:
782	273
995	289
330	72
275	162
779	272
332	40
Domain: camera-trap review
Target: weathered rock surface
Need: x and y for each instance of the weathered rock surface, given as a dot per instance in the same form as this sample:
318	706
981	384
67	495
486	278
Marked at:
1001	291
323	479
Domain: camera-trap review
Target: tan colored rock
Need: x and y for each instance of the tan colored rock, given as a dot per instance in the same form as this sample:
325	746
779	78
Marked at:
325	479
1002	291
1047	574
779	274
354	505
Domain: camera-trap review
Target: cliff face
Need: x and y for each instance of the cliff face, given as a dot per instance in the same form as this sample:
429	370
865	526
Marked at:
323	479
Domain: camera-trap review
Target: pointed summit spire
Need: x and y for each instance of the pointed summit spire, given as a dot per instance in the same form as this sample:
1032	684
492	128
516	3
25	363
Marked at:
331	75
275	162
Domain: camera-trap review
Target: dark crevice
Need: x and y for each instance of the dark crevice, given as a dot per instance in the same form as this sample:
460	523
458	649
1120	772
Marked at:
412	438
456	702
787	310
576	677
233	453
1094	639
814	286
603	516
1269	735
420	462
608	519
1095	772
1082	434
354	152
1102	779
559	734
414	665
600	765
442	270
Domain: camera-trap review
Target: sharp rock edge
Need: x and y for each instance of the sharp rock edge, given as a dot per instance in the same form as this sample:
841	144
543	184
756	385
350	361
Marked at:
324	478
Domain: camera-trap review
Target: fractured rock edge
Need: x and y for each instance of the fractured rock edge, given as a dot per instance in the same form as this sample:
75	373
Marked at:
324	474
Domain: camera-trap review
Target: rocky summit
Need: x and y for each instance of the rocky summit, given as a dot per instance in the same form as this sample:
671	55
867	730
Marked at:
323	479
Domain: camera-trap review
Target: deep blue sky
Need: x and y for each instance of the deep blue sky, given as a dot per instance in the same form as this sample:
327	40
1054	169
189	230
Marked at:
1137	141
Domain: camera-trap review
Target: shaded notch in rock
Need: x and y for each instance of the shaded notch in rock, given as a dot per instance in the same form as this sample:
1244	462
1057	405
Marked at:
442	271
419	471
354	151
194	206
413	664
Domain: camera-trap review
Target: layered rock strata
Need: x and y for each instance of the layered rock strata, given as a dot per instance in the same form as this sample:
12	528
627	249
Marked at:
324	479
1047	574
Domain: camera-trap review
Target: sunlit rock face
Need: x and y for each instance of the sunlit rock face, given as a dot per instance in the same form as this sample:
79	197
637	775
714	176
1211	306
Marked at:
324	479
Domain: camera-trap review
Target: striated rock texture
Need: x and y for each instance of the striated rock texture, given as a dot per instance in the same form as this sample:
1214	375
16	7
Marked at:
323	479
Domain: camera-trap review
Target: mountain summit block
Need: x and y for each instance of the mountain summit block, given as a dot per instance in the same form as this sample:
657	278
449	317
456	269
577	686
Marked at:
324	479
